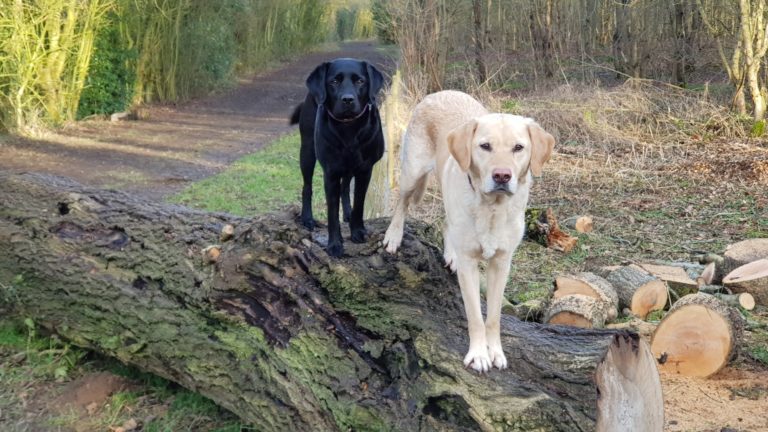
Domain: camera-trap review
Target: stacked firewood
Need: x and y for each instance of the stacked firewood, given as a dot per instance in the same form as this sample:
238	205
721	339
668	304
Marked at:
702	327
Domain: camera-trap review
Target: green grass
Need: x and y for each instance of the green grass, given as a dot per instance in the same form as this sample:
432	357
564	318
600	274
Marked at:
760	353
258	183
39	357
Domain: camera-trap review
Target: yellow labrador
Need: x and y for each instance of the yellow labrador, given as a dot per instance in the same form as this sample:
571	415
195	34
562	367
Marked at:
484	163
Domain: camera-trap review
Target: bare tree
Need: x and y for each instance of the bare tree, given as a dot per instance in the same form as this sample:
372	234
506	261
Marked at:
754	44
479	41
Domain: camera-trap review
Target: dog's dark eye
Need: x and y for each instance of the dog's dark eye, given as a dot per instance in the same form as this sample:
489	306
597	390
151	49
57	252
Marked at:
517	148
360	81
334	82
485	146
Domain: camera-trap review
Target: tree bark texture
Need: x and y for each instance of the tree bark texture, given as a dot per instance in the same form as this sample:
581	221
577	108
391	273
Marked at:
274	330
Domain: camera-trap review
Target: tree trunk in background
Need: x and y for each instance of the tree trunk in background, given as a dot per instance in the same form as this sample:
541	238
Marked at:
479	41
754	45
274	330
733	64
679	62
622	38
541	32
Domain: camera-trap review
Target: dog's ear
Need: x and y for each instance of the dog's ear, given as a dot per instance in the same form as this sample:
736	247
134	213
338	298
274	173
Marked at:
460	143
542	144
316	83
375	81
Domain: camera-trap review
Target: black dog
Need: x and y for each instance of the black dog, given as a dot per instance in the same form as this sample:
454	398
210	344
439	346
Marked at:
340	127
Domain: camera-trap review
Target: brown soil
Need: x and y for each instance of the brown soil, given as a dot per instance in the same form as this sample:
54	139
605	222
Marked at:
176	145
732	400
88	393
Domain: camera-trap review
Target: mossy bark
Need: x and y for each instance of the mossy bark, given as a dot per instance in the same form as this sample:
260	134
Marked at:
276	331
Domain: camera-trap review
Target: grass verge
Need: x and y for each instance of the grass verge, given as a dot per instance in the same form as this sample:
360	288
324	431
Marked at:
257	183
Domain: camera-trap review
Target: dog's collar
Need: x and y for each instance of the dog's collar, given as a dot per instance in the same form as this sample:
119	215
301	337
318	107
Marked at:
330	114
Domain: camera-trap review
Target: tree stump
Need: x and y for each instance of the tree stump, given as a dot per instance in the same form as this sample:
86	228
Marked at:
698	336
542	227
289	339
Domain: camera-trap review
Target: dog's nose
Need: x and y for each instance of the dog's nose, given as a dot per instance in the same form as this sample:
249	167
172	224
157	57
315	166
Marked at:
347	99
502	175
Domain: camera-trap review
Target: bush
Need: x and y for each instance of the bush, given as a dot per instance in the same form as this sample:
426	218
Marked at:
109	85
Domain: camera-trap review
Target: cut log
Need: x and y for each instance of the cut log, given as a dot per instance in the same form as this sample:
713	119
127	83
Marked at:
698	336
676	277
582	224
590	285
290	339
638	290
577	310
743	300
643	328
750	278
542	227
741	253
707	275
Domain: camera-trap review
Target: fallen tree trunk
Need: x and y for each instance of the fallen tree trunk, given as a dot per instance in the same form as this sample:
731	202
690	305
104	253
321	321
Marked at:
288	339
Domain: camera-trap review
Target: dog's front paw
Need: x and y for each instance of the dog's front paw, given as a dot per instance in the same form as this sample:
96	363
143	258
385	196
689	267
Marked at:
392	239
478	359
498	359
309	223
335	250
358	235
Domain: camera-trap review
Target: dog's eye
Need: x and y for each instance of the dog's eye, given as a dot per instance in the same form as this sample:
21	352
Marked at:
517	148
334	82
360	81
485	146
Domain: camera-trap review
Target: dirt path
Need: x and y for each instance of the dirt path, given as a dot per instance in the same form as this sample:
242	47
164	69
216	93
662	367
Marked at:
158	156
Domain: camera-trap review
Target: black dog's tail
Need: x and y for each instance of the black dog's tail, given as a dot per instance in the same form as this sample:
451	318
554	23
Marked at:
296	114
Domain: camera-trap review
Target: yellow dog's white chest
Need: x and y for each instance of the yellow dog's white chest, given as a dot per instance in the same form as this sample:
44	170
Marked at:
492	229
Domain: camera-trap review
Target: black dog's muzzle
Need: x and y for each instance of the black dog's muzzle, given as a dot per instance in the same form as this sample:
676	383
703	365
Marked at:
348	120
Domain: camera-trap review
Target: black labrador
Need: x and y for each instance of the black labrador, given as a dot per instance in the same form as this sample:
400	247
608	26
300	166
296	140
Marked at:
341	128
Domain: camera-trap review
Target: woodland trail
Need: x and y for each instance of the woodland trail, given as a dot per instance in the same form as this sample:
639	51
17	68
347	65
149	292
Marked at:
176	145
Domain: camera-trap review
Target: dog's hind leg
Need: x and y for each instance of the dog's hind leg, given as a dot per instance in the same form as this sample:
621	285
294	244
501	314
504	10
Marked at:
449	253
413	183
307	162
356	226
346	207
